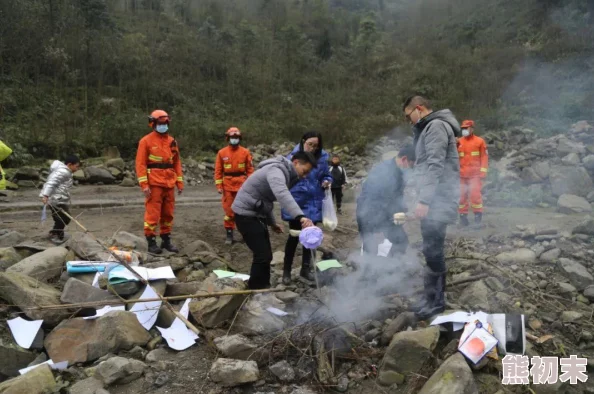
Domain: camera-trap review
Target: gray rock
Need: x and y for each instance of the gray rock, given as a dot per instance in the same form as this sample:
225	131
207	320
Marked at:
42	266
286	296
577	274
127	241
120	370
76	291
568	203
236	347
542	169
86	247
588	162
126	288
79	175
195	247
361	174
475	296
566	146
453	377
37	381
27	174
283	371
566	288
572	159
10	239
187	288
98	175
523	255
254	319
229	373
303	390
156	355
410	350
550	256
570	316
278	257
211	312
400	323
529	175
87	386
13	358
116	163
8	258
127	182
589	293
388	378
585	227
162	379
570	180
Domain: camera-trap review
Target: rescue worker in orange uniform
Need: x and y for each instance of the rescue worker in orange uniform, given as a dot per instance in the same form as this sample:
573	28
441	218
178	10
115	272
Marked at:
233	166
474	164
159	171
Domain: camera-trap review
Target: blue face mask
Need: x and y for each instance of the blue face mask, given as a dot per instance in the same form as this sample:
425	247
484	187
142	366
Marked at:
162	128
234	141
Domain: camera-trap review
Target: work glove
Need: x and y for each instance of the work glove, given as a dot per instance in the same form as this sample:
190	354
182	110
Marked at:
399	218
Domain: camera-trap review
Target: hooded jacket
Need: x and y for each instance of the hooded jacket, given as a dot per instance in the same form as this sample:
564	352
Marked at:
270	182
437	166
58	184
308	192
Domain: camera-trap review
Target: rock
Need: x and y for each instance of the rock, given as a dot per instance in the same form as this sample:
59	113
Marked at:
42	266
116	163
112	152
578	274
572	159
79	175
568	203
76	291
126	288
278	258
588	162
13	358
156	355
24	291
570	316
116	173
27	174
453	377
120	370
589	292
566	289
12	238
211	312
98	175
585	227
186	288
542	169
550	256
231	373
79	340
523	255
409	351
286	296
475	296
37	381
361	174
254	319
86	247
87	386
283	371
127	241
195	247
196	276
8	258
235	346
388	378
529	176
128	182
400	323
570	180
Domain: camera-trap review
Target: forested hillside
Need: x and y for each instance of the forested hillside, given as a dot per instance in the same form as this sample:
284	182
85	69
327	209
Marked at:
78	75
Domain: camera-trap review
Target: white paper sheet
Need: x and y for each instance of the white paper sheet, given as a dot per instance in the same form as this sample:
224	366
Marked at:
24	331
104	310
147	273
96	279
461	318
56	366
232	275
178	336
384	248
146	312
276	311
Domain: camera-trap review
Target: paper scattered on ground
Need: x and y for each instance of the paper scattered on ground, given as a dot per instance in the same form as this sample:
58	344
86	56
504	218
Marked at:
121	274
96	279
24	331
383	249
179	336
476	342
55	366
327	264
104	310
228	274
276	311
460	318
146	312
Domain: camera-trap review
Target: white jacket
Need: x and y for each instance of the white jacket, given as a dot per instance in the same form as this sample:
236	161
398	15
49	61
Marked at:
58	184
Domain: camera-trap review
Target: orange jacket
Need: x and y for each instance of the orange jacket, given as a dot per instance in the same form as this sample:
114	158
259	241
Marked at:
474	158
233	166
158	162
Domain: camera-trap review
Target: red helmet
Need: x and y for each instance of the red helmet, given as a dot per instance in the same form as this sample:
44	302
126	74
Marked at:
233	132
159	116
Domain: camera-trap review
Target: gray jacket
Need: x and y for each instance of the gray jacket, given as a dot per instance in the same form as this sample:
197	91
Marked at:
271	182
437	166
58	184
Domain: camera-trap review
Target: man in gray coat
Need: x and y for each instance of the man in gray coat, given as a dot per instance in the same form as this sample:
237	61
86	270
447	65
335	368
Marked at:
437	175
253	208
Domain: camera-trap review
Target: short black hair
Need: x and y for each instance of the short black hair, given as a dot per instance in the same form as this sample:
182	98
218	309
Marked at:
407	151
312	134
416	100
335	155
305	157
71	159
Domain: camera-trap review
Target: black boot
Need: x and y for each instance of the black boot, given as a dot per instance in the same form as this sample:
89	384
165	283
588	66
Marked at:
152	245
306	273
229	240
428	295
438	304
478	219
167	245
287	276
464	220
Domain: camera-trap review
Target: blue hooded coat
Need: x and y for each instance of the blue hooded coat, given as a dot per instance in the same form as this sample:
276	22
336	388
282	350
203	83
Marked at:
308	192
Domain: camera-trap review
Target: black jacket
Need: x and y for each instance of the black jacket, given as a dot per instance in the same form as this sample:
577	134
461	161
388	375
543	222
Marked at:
382	195
338	176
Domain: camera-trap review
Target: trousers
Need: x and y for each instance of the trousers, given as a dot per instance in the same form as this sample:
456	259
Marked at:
291	248
60	219
158	210
229	220
256	236
337	195
470	192
434	234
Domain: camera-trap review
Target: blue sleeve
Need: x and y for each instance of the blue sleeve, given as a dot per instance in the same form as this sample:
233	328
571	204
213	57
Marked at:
324	173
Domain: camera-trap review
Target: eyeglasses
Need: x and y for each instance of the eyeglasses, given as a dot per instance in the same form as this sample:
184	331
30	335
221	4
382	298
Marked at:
312	144
407	116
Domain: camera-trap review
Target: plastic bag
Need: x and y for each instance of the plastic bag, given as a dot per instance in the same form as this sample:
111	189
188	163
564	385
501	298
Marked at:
44	214
329	218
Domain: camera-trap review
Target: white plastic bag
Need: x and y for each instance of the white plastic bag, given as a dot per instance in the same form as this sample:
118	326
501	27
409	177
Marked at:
329	218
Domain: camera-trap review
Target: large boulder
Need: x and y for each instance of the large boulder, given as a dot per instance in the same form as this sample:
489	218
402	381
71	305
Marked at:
524	256
453	377
40	380
25	291
87	248
27	174
588	162
127	241
98	175
8	258
119	370
212	312
78	340
476	296
400	323
585	227
550	256
570	180
577	274
236	346
11	238
76	291
43	266
542	169
410	351
228	372
13	358
87	386
195	247
116	163
568	203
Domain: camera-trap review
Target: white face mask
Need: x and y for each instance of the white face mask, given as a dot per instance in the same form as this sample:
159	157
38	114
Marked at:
162	128
234	141
465	132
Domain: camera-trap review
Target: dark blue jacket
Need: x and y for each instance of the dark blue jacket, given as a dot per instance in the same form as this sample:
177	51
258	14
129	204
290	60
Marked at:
308	192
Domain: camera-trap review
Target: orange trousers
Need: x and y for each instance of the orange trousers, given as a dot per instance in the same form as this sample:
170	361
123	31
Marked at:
229	220
470	194
158	209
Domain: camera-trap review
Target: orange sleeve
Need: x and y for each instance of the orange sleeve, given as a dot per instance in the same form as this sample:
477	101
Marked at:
249	164
177	166
218	174
141	160
484	158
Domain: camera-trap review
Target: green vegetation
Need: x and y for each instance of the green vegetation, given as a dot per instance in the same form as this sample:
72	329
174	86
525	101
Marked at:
79	75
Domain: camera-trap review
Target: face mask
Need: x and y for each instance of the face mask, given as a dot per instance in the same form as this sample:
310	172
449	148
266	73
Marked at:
234	141
465	132
162	128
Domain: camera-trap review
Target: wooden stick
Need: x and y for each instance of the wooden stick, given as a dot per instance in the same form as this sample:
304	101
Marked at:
469	279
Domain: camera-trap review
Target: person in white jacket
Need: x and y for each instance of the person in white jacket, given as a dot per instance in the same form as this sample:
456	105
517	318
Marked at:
56	194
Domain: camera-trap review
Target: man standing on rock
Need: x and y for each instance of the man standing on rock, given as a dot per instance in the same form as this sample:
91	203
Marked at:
474	164
437	176
233	166
159	171
253	208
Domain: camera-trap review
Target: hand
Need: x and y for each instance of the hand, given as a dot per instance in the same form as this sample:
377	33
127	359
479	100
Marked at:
399	218
179	191
421	210
220	191
305	222
44	200
325	184
277	228
343	186
147	192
